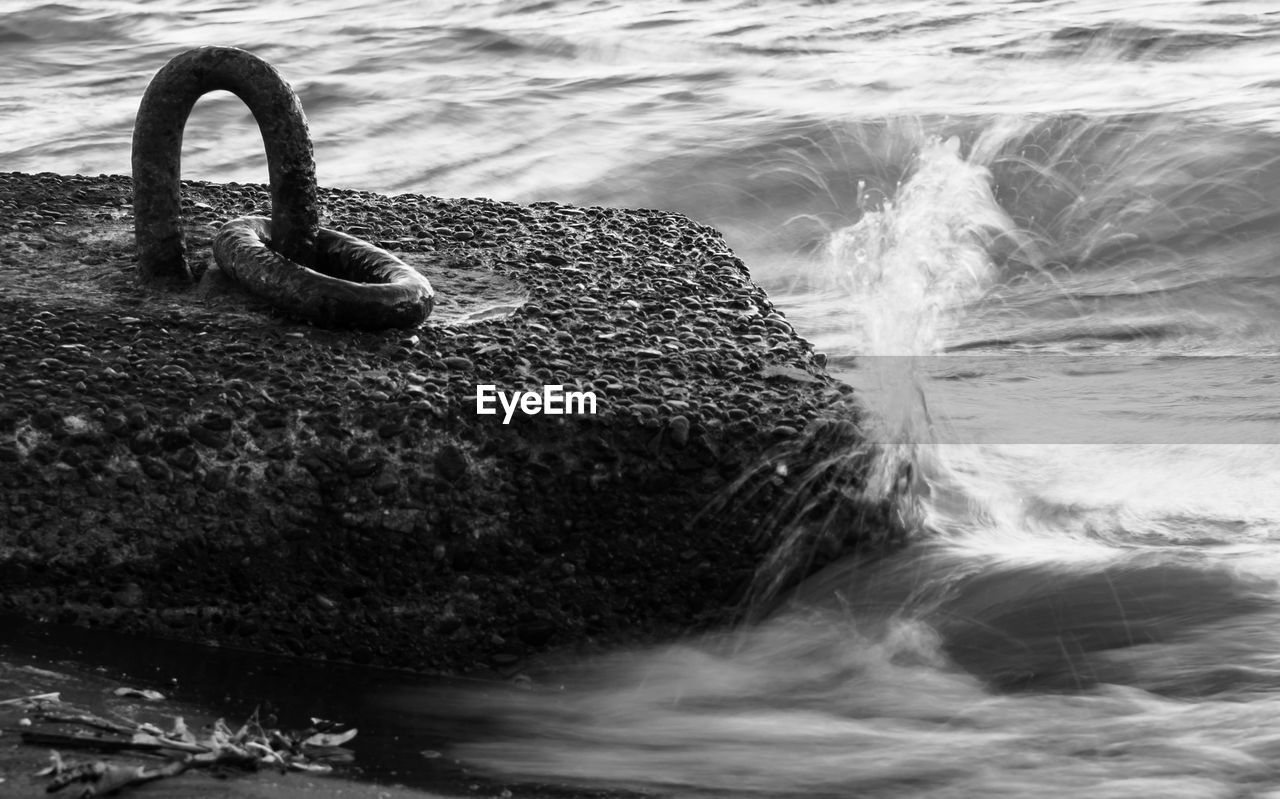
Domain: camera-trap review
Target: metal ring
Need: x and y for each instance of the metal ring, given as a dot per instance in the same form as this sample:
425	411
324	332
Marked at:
157	155
352	284
325	276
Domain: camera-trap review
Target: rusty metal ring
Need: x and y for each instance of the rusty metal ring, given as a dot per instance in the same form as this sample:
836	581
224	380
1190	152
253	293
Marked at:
311	271
352	284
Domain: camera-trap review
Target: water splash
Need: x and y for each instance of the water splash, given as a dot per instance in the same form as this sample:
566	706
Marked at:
897	278
894	277
906	269
906	265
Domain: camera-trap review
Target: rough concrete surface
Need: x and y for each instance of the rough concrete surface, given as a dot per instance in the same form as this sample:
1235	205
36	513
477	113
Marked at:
187	464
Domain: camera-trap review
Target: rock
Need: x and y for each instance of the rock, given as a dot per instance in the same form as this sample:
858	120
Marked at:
678	429
391	429
216	422
365	466
171	440
535	633
115	424
130	596
214	439
185	459
451	463
238	460
216	480
386	483
155	469
777	372
142	443
136	415
401	520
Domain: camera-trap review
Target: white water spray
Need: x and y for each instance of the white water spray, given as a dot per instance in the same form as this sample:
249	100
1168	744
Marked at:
907	268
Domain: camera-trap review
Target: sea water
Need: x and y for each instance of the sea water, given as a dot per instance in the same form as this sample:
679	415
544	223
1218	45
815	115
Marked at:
1041	239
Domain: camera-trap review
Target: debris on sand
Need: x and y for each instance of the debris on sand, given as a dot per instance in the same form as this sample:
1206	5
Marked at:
253	746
